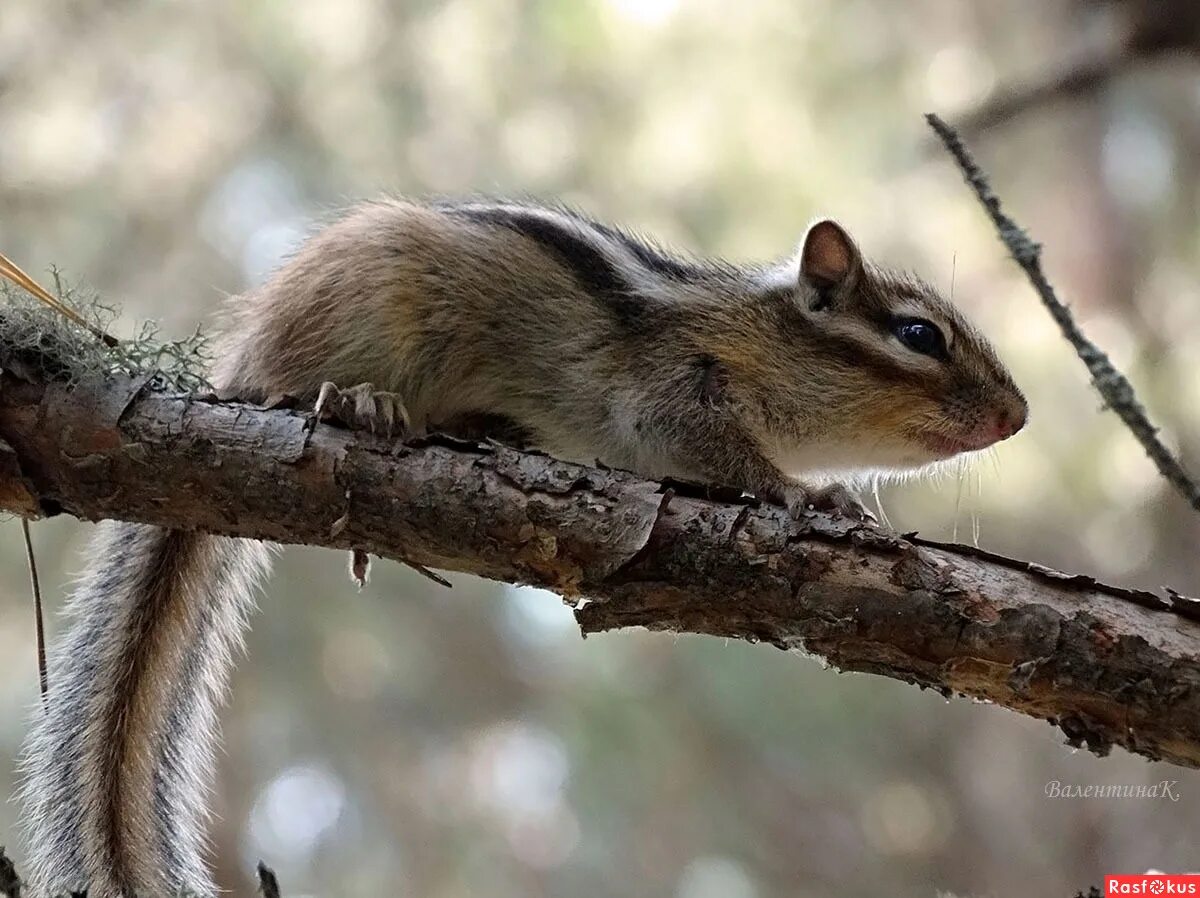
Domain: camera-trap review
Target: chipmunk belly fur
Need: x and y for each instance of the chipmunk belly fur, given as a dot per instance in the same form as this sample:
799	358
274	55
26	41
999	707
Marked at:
595	344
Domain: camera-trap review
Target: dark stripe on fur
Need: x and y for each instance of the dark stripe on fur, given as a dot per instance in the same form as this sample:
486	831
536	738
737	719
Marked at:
183	720
597	273
82	665
862	356
845	350
167	773
594	270
57	791
652	258
76	789
168	555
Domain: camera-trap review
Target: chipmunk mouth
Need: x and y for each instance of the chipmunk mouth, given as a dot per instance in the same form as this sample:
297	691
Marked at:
992	427
945	446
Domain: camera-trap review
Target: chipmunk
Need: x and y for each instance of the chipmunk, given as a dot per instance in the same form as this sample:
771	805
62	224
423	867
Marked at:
596	345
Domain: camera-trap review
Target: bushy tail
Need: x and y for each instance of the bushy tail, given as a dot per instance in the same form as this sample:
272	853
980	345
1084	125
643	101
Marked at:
117	765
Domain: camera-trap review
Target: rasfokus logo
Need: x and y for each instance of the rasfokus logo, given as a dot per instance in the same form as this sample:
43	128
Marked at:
1152	884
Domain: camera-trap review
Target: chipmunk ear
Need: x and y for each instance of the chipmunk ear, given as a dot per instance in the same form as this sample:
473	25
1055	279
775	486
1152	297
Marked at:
829	260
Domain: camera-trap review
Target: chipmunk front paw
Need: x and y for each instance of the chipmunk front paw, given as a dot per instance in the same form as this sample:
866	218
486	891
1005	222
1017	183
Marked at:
362	407
800	500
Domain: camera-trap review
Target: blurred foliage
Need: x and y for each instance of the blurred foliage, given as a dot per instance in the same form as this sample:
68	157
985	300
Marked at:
420	741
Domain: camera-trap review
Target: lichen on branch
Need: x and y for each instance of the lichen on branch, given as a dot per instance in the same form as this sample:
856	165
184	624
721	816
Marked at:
53	347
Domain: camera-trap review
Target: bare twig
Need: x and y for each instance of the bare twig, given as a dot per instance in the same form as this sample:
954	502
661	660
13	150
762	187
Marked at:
39	619
268	884
10	883
1112	385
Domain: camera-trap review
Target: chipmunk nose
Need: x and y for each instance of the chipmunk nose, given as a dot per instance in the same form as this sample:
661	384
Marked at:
1010	419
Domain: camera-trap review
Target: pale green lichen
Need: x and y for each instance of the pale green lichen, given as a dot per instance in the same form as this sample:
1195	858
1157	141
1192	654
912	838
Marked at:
54	347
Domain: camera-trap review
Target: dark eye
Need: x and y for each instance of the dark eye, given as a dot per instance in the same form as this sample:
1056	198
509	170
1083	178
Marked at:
921	336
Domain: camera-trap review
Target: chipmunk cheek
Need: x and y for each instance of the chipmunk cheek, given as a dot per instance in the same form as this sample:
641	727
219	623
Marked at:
907	415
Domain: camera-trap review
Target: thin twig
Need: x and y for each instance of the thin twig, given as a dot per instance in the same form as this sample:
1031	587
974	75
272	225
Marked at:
1112	385
268	884
39	620
10	883
430	575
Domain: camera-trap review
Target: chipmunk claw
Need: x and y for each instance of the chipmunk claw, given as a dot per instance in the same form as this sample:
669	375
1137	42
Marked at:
801	501
362	407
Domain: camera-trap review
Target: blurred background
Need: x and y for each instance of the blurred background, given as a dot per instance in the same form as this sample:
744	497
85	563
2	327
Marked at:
429	742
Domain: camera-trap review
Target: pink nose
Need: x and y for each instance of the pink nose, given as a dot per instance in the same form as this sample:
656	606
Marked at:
1010	420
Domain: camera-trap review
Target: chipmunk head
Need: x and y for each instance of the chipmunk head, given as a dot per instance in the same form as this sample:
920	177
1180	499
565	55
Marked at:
900	379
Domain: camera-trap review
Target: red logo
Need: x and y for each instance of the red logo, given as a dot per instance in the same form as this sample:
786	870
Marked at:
1152	884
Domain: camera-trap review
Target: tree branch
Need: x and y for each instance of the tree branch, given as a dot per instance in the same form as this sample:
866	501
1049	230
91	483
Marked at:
1084	77
1107	665
1113	387
1141	33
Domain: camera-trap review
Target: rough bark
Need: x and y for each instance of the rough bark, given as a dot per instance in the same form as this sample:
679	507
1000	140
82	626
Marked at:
1107	665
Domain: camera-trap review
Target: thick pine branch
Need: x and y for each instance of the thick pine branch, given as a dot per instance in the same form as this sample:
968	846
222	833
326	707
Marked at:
1107	665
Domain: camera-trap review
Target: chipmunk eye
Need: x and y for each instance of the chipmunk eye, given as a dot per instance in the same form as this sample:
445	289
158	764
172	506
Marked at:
921	336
